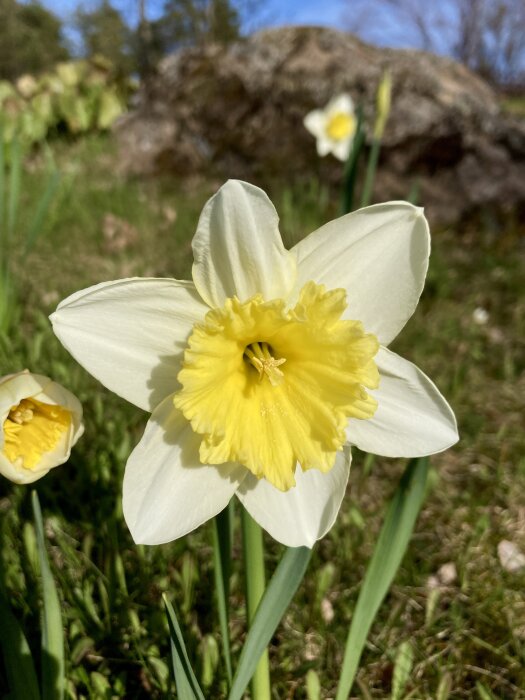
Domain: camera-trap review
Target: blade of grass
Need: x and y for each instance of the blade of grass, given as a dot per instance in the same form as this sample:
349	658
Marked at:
402	670
222	544
388	553
41	211
53	666
13	196
6	300
483	692
18	662
187	685
3	253
4	257
279	592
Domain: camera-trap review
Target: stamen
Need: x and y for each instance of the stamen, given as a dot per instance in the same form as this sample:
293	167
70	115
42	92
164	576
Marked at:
259	356
22	413
31	429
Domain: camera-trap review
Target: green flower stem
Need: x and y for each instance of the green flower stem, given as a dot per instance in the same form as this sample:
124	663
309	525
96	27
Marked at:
255	585
351	166
371	168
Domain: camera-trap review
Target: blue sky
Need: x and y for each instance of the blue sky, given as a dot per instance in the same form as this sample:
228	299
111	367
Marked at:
339	14
270	13
274	12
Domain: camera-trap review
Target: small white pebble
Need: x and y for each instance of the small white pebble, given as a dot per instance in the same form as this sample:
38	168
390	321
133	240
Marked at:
51	297
511	558
327	610
433	582
480	316
447	573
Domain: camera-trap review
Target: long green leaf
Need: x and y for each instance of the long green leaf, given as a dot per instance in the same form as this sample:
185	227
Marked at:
351	166
187	685
53	666
388	553
373	159
277	597
18	661
222	543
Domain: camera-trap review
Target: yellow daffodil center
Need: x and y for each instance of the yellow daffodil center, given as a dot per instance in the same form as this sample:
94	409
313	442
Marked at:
340	126
31	429
271	387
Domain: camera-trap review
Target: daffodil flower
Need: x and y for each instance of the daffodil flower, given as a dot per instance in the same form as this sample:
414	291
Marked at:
264	369
333	127
41	421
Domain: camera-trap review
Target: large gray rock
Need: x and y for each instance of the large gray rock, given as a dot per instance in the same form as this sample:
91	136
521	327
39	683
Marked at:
238	111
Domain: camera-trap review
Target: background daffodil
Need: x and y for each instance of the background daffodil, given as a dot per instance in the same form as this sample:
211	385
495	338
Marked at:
41	421
262	371
333	127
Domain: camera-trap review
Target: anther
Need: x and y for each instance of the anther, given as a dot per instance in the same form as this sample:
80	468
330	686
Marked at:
21	415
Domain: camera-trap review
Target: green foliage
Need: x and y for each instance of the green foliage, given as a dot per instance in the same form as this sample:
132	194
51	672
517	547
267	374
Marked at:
52	661
16	239
104	33
77	96
198	22
222	546
30	39
402	670
187	685
20	670
313	685
388	553
116	632
282	587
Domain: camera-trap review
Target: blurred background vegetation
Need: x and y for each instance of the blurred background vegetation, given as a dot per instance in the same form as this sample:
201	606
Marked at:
486	36
74	221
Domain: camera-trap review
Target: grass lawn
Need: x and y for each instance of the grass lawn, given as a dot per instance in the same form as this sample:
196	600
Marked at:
467	632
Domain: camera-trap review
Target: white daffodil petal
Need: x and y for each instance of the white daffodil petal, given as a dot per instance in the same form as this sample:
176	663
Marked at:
55	395
412	417
24	476
238	249
55	458
303	514
341	149
15	387
324	146
130	334
167	491
379	254
341	104
315	122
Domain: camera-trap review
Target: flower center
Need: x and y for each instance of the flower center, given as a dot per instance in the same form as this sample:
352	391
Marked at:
252	408
259	355
31	429
340	126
